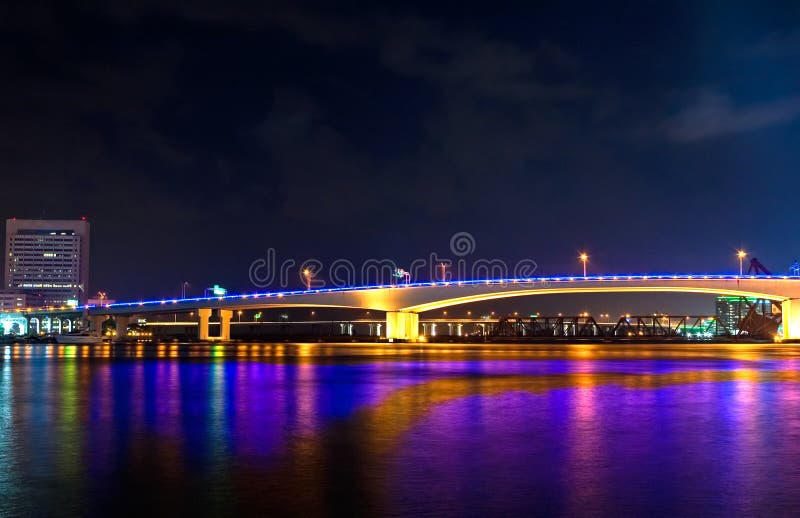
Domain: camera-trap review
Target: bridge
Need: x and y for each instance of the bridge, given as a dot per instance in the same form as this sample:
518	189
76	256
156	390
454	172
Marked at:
403	302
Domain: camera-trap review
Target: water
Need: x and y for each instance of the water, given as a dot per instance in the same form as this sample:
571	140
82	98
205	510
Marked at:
564	430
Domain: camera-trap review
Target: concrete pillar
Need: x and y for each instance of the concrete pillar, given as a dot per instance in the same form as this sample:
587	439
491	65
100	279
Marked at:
225	316
790	317
378	326
96	323
203	315
459	327
122	325
402	325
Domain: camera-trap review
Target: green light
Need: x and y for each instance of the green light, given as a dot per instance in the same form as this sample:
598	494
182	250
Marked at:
731	298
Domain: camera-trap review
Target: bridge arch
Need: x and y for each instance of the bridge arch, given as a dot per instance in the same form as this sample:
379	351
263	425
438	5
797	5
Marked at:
481	297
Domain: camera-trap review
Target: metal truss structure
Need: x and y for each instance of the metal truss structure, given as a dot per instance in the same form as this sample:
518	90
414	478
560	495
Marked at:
758	321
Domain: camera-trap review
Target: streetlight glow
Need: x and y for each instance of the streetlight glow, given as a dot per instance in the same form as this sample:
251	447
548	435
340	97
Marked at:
741	254
583	258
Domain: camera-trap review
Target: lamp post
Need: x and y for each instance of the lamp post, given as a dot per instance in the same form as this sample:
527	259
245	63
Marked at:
308	274
741	254
184	285
584	257
240	316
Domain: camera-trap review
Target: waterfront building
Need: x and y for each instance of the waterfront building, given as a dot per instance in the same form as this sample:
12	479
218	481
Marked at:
17	300
48	257
730	310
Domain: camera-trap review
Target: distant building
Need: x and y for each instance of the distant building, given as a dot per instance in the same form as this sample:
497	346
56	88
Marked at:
730	310
16	300
48	257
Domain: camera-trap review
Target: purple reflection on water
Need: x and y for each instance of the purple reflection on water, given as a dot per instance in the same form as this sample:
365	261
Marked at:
723	448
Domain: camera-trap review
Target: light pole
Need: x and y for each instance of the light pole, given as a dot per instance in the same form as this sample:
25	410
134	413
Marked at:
184	285
308	274
240	316
741	254
584	257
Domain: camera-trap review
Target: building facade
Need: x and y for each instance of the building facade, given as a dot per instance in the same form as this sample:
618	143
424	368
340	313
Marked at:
18	300
731	310
49	258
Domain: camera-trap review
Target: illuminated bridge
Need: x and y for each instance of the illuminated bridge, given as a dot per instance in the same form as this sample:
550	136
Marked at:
403	303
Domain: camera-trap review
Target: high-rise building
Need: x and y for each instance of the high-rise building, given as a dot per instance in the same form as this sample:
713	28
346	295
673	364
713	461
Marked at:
48	257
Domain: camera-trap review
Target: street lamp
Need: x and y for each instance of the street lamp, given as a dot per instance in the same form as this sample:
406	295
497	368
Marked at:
741	254
583	258
240	316
308	274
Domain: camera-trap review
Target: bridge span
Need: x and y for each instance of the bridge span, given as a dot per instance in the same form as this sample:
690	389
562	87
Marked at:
403	303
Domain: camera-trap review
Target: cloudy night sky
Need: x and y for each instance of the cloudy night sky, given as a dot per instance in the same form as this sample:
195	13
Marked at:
196	135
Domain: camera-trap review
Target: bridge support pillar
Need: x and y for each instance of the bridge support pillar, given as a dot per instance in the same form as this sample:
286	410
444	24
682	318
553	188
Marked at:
790	316
122	326
225	316
203	315
96	323
402	325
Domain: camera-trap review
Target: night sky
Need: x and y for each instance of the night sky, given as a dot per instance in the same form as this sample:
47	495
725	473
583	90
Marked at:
197	135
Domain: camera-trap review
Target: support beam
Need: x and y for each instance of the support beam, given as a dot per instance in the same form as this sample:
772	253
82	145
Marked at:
402	325
225	316
203	315
790	316
96	323
122	325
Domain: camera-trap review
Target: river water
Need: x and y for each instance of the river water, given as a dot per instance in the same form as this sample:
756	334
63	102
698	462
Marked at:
403	430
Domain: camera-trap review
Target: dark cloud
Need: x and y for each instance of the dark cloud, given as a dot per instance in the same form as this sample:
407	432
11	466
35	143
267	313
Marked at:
711	115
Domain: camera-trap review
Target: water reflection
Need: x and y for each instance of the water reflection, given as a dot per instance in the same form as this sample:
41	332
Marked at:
366	429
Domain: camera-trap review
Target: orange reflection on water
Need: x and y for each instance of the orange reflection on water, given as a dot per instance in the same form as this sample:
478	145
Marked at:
585	445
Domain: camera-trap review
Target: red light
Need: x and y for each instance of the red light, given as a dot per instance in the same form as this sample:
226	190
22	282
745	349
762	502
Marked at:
83	218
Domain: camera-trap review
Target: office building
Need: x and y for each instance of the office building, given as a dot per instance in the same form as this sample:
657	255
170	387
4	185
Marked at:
49	258
17	300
